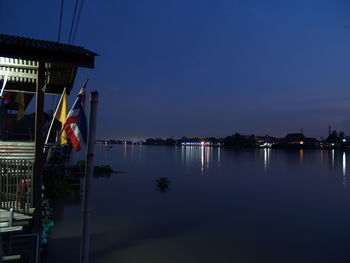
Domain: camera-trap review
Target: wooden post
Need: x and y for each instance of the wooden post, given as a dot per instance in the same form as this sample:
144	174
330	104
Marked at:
38	161
2	120
89	170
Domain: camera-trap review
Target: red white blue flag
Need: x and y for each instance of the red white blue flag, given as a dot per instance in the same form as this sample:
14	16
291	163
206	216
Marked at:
76	124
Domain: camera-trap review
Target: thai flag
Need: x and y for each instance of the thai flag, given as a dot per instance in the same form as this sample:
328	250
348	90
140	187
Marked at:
76	124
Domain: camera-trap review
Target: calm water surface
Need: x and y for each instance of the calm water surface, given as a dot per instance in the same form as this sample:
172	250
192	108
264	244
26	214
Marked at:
223	206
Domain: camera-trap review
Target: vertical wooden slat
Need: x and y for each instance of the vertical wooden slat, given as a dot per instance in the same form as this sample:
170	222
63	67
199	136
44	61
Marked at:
1	175
13	183
18	180
32	184
6	182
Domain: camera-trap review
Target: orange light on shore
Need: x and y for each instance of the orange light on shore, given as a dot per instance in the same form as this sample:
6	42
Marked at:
301	142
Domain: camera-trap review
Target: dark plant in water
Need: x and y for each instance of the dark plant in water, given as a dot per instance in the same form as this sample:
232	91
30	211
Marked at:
103	171
162	184
99	170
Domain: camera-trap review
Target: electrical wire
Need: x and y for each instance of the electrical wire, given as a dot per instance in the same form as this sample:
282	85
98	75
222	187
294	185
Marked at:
78	20
58	40
61	15
72	25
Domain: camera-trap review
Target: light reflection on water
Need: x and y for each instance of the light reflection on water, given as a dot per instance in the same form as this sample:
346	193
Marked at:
205	160
221	207
267	153
191	155
344	169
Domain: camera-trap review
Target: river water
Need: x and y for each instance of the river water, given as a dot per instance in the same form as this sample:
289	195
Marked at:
255	205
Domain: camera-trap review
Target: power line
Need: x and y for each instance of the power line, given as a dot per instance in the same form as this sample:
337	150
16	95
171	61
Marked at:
58	40
59	29
72	25
78	20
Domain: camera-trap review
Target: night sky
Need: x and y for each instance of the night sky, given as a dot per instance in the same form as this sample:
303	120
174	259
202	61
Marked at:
206	68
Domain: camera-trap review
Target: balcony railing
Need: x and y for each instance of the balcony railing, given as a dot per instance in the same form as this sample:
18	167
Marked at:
16	176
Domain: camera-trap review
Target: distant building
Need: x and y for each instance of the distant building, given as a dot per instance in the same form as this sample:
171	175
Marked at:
296	140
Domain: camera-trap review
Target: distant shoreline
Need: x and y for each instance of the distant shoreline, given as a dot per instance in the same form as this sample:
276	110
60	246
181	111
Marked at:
229	148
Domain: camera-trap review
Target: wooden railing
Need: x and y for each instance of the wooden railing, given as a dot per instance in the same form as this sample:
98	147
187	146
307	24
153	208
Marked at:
16	176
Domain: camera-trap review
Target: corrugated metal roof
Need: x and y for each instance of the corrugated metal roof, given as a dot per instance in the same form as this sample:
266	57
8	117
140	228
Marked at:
46	51
43	44
19	57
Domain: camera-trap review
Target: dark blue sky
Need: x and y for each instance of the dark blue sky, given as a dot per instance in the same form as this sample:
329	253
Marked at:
200	68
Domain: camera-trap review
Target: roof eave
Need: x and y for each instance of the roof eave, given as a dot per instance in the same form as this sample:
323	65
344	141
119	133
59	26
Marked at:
49	56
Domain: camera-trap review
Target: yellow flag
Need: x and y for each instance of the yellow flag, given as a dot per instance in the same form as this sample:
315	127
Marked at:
61	115
20	100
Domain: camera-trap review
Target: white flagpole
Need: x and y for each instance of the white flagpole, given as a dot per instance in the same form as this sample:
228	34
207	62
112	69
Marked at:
4	84
53	117
47	138
48	157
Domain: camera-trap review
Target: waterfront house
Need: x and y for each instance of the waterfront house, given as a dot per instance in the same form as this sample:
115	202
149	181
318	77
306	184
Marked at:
30	68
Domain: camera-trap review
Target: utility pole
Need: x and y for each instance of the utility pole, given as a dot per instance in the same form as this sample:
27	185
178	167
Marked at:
89	170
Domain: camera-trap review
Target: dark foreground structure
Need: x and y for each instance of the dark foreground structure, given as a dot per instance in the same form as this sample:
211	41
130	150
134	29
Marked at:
29	67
